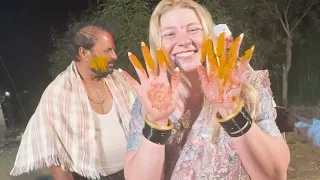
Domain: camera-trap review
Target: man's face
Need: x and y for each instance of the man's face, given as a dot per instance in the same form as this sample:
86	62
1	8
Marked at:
103	55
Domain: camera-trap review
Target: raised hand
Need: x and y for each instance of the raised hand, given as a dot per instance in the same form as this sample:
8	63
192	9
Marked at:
222	80
157	95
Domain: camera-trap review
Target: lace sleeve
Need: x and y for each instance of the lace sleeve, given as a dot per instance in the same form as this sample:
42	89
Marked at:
135	126
265	112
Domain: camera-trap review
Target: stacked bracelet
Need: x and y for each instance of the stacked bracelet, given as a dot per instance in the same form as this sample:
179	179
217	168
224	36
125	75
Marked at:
238	123
156	133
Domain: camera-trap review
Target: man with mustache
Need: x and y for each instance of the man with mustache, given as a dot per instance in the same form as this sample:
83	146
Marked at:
79	128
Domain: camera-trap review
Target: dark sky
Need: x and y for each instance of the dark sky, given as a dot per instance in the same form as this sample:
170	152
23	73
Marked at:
25	37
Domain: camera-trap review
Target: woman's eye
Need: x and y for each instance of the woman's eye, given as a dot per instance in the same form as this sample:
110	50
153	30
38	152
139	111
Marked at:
194	29
168	35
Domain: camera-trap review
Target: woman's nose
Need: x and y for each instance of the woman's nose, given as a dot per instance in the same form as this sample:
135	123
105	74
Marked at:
183	40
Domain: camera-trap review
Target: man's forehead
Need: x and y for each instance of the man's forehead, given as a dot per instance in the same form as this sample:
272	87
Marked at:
98	32
106	37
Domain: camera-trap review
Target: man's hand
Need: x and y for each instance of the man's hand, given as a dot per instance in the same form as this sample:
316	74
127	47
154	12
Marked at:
286	120
59	174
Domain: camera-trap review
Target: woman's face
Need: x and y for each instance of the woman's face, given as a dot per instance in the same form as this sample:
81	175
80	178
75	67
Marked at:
182	36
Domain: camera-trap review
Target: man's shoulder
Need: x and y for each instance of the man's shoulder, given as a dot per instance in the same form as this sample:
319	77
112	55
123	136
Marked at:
123	83
56	86
116	75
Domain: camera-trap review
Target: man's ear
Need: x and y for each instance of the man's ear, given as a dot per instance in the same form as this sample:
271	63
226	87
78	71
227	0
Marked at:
84	54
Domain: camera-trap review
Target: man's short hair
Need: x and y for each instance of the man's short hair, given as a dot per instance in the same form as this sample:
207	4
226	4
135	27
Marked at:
83	34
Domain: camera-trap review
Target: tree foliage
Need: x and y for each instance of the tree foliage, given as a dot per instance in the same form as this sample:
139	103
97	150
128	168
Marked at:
254	18
128	21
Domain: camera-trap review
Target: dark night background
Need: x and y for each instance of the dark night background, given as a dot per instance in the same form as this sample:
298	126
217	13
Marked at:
25	38
26	43
25	47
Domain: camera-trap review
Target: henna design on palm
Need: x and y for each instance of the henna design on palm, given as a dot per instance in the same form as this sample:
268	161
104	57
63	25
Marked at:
157	95
225	73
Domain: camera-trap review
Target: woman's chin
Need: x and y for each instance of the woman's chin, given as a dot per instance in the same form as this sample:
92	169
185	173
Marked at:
188	67
189	64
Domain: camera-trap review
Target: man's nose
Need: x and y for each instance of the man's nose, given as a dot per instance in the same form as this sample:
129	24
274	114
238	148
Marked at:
113	55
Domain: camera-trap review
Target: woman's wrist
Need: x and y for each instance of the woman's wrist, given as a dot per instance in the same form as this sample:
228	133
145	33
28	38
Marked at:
157	126
161	122
233	112
158	134
238	123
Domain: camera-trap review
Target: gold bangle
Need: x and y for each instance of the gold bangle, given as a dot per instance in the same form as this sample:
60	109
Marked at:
159	127
234	114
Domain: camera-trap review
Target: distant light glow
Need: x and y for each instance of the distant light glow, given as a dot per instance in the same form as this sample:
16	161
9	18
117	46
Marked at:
7	93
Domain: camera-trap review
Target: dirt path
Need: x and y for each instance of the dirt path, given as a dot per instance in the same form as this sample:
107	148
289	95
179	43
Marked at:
9	142
6	163
305	162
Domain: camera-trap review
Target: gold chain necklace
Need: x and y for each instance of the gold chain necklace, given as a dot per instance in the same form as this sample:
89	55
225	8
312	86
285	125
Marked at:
103	98
88	93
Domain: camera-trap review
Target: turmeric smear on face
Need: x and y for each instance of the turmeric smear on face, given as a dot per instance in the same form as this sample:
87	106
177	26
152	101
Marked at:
99	64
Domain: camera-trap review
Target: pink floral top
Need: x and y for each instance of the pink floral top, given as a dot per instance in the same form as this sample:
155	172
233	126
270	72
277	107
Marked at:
190	155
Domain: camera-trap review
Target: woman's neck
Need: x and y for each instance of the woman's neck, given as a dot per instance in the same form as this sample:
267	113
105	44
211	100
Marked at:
191	95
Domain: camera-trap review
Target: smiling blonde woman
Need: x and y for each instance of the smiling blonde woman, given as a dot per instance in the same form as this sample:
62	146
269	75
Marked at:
210	120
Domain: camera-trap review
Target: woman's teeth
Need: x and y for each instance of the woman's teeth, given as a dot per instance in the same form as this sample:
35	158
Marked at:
184	54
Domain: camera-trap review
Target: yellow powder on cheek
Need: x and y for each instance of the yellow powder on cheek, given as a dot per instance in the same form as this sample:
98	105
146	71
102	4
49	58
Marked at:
99	63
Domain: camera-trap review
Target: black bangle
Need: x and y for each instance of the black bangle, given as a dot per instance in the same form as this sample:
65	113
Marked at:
239	125
154	135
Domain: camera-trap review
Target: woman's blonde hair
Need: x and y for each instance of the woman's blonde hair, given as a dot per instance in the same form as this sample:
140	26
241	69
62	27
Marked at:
248	93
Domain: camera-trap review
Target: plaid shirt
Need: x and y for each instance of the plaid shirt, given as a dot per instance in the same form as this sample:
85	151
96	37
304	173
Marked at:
62	129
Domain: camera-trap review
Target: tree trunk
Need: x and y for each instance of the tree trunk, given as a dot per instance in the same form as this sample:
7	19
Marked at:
286	71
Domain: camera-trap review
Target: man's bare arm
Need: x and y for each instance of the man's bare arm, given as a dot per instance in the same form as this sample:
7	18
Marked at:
59	174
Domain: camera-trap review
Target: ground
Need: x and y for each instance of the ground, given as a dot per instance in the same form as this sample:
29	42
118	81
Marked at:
305	159
9	142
